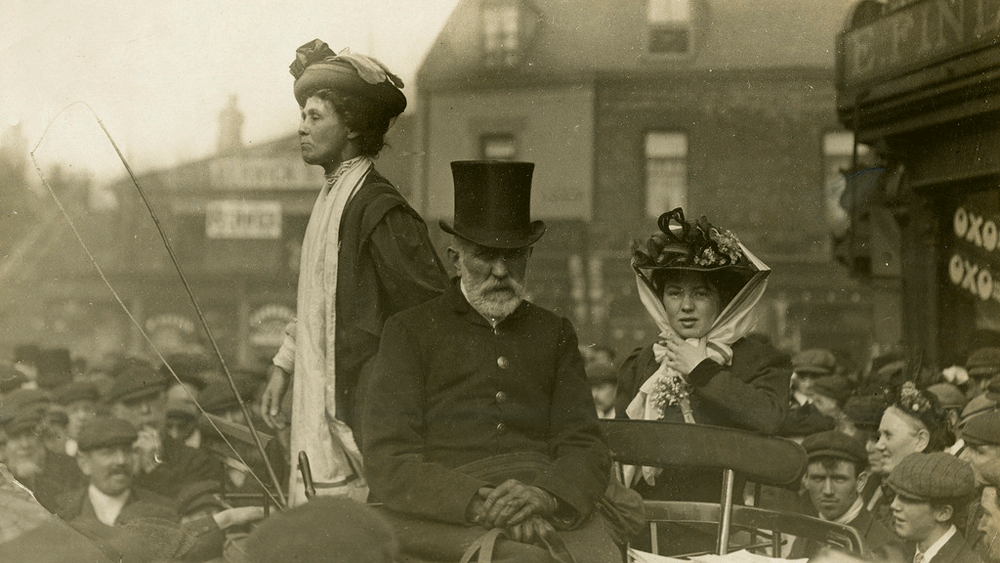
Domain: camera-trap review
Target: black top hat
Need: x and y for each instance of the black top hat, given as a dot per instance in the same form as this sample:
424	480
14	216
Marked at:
493	203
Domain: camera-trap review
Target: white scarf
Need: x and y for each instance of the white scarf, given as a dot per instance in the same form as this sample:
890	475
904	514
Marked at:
328	442
733	323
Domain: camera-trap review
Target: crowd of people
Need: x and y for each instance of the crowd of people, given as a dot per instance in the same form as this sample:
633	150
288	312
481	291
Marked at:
444	417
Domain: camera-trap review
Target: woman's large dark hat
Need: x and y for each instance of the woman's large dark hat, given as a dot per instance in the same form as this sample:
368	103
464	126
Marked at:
493	203
699	246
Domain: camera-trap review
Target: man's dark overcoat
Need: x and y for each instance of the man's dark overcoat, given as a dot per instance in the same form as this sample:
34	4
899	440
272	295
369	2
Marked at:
448	389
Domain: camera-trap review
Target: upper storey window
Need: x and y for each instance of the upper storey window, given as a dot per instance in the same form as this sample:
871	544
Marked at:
507	26
669	26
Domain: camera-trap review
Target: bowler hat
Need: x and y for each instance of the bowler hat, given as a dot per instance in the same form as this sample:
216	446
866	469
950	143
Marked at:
55	368
932	476
833	443
493	204
106	431
865	411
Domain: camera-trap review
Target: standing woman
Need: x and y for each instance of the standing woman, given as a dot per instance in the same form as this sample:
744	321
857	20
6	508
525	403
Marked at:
700	285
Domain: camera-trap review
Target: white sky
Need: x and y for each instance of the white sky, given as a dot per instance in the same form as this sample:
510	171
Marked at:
158	72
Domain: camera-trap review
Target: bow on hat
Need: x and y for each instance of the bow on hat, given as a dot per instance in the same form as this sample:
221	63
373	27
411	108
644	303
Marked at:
370	69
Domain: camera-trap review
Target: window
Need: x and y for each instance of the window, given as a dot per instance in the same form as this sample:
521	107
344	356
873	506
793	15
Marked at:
838	152
501	41
498	146
666	171
669	26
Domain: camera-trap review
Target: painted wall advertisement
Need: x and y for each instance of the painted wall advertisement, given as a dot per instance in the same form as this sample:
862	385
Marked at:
974	261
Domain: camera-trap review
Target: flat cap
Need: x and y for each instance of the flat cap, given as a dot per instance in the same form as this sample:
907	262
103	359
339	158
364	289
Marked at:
833	443
189	368
984	362
27	419
949	395
181	408
978	405
137	380
816	361
993	389
10	377
76	391
20	398
932	476
865	411
983	429
104	432
836	387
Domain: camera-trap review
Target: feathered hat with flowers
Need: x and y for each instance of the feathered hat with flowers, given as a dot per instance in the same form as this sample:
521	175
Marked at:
699	246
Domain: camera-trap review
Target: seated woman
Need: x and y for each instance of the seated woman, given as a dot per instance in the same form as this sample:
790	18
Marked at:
700	285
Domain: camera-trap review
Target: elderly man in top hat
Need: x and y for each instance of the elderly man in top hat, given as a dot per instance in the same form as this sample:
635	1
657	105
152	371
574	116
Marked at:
366	255
485	417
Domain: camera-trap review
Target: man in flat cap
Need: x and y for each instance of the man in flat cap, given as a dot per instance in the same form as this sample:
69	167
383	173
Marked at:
45	473
110	509
106	458
835	476
366	255
983	365
486	421
932	491
802	417
138	395
982	446
79	400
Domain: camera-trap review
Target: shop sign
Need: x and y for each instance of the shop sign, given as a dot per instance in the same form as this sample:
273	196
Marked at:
916	36
974	265
267	325
263	174
236	219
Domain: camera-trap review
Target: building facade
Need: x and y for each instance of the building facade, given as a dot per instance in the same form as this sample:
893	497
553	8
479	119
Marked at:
235	223
722	107
918	81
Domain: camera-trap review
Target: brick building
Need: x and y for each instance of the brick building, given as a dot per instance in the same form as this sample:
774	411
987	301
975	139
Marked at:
628	109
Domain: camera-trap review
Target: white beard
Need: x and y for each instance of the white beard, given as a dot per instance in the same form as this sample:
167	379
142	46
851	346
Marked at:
496	303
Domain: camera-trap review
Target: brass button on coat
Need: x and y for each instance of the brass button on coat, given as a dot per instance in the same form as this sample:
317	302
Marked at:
501	396
503	362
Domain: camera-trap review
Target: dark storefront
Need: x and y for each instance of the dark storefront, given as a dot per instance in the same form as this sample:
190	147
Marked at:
919	82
